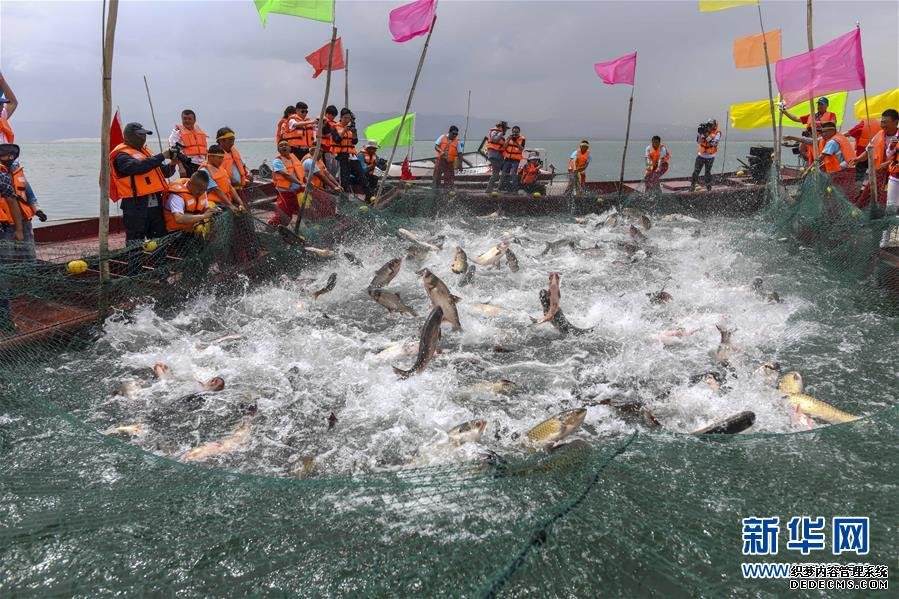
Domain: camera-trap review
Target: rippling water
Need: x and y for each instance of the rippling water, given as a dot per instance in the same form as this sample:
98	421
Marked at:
300	360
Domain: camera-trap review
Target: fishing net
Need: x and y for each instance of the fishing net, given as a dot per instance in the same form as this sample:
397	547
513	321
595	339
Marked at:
636	514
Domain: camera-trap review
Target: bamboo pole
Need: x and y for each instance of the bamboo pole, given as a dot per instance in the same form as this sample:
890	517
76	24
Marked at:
627	135
153	114
346	80
724	150
421	62
811	100
872	174
770	91
465	133
108	43
321	121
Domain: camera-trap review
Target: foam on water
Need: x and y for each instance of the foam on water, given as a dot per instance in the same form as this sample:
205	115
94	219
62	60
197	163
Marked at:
300	360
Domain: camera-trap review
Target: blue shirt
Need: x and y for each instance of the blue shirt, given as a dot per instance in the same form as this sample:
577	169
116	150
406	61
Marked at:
662	153
278	167
212	184
575	153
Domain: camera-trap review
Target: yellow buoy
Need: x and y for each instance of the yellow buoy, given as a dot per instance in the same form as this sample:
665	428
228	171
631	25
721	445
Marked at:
829	189
408	184
740	173
599	200
363	209
452	194
855	214
537	194
76	267
150	246
494	194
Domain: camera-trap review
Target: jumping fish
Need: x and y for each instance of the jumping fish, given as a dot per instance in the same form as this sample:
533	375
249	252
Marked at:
660	297
792	386
512	261
332	280
500	387
492	256
427	346
352	259
385	274
126	429
127	389
552	246
612	220
467	278
488	309
417	252
460	261
232	442
725	349
408	347
728	426
559	321
553	430
161	371
439	294
645	222
411	237
467	432
635	234
321	253
391	300
554	298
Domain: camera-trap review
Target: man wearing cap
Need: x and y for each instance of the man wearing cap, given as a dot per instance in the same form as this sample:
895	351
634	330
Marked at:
822	115
219	188
448	147
192	140
835	152
8	105
300	131
28	206
369	163
657	157
883	154
577	168
705	156
496	142
343	143
233	162
140	179
513	152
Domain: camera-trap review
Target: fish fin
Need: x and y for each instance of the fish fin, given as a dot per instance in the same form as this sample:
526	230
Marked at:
315	295
456	298
402	374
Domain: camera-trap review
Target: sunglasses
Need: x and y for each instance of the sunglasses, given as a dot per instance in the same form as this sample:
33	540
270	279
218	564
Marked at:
304	111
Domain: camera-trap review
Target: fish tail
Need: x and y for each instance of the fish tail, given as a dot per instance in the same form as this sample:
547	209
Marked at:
402	374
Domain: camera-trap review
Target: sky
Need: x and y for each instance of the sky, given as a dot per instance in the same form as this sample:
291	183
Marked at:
525	62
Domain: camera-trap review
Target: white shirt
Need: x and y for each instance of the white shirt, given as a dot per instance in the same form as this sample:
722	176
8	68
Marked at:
175	137
175	204
712	140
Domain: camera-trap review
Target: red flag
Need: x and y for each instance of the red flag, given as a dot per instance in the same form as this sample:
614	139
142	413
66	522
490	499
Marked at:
319	58
405	171
115	138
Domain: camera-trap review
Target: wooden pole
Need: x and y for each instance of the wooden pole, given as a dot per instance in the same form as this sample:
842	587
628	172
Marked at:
811	100
627	136
770	92
153	114
346	80
108	43
724	150
465	133
421	62
321	121
872	174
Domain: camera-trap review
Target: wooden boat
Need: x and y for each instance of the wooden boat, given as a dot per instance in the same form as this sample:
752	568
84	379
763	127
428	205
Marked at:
887	269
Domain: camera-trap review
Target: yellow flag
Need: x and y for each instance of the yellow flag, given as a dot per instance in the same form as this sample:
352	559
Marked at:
752	115
877	104
712	5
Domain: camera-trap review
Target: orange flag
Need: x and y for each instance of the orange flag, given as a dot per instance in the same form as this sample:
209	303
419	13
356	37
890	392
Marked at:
749	51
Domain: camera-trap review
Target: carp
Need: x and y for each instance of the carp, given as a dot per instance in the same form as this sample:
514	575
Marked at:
439	294
321	253
553	430
427	346
792	387
411	237
391	300
512	261
492	256
236	440
728	426
332	280
386	273
467	432
468	277
554	298
126	429
460	261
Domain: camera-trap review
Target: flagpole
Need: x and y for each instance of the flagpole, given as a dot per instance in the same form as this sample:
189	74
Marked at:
770	90
465	133
872	174
346	80
627	135
421	62
153	114
724	150
108	43
811	100
318	141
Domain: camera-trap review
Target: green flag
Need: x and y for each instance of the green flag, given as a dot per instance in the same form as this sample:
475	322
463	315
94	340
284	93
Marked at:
318	10
385	132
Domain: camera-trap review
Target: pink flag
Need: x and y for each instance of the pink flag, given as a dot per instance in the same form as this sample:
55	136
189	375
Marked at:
620	70
411	20
835	66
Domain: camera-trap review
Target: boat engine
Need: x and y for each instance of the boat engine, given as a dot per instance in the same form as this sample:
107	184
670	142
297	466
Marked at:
760	160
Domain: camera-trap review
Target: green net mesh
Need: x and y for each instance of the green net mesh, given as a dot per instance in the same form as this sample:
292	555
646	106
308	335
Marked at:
639	514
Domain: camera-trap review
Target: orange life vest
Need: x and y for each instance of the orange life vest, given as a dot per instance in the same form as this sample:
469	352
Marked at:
448	148
513	148
496	146
327	141
654	155
136	185
279	130
831	164
346	145
5	215
371	161
529	173
294	167
878	148
220	176
193	140
870	127
579	162
6	130
706	147
192	205
232	159
893	166
304	137
20	184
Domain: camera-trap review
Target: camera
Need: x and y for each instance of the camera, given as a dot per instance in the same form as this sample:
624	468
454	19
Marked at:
706	128
176	151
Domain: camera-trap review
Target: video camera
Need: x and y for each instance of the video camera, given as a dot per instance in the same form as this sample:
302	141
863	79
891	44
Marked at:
706	127
176	152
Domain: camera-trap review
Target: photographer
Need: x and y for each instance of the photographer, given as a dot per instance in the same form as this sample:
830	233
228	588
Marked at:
345	139
708	139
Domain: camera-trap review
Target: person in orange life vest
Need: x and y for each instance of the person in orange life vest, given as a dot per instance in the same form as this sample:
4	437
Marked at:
513	150
369	163
863	132
192	143
28	206
657	158
527	176
281	127
577	168
325	130
822	115
496	141
883	150
708	140
233	163
287	175
11	232
219	189
448	146
345	138
300	131
321	184
8	105
834	149
186	204
140	178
